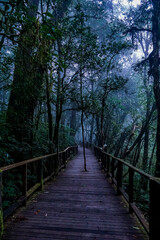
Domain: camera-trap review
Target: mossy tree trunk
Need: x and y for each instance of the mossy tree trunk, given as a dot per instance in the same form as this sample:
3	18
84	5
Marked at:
154	63
26	86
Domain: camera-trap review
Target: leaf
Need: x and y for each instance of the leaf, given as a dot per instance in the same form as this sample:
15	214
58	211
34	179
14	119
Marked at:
37	212
137	228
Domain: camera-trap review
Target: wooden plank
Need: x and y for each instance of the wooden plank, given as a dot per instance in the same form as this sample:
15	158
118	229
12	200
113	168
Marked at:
77	205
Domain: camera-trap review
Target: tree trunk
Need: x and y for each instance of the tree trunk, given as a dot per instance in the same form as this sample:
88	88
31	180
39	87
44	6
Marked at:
102	121
26	86
120	143
98	135
83	141
137	154
59	99
91	132
73	123
154	62
151	157
49	111
82	117
143	129
146	134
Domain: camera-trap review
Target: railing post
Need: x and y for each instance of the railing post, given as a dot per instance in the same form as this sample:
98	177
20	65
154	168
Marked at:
51	165
56	164
95	151
40	173
24	181
60	161
100	155
154	215
102	159
112	168
67	154
131	189
73	151
105	162
1	206
77	149
119	176
64	159
108	165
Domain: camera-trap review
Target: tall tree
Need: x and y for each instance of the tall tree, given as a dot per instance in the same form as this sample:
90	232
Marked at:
154	64
27	81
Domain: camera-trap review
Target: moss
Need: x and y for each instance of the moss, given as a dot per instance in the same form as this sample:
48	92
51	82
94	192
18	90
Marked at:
1	224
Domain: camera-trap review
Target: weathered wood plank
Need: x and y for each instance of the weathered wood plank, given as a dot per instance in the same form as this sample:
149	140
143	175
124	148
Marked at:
78	205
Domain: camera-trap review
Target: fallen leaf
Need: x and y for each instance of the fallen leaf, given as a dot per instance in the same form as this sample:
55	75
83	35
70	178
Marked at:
136	228
37	212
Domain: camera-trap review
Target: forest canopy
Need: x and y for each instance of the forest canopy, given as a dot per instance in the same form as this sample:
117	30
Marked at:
80	71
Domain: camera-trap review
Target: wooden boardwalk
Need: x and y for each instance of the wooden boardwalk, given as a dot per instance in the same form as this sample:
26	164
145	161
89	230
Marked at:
78	205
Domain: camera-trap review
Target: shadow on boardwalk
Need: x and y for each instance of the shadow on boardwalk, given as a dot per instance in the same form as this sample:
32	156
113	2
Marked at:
78	205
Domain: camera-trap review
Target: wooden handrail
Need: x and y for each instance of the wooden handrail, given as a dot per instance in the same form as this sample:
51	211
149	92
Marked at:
15	165
108	164
57	161
146	175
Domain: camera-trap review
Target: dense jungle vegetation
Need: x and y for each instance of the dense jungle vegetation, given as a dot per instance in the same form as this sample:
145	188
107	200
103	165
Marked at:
76	71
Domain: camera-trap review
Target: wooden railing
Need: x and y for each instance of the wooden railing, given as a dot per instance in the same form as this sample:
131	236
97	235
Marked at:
55	162
114	168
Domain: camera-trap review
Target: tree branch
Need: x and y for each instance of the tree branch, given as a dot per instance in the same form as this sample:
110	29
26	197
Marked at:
143	129
135	29
4	2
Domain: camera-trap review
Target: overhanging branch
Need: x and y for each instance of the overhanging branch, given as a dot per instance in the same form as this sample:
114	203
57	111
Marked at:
135	29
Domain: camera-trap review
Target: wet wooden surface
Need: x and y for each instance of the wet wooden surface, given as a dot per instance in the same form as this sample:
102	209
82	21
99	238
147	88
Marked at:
77	205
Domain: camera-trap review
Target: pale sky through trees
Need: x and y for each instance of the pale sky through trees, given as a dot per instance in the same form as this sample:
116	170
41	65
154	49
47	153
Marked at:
128	3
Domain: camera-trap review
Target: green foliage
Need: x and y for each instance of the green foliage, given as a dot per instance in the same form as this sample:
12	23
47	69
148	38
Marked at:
66	138
41	141
11	188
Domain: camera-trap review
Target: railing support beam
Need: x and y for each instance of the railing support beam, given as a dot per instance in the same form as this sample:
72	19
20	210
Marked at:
40	173
154	218
1	207
131	189
24	185
119	177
